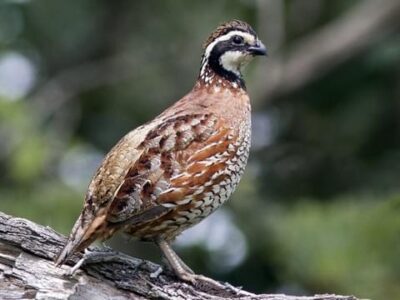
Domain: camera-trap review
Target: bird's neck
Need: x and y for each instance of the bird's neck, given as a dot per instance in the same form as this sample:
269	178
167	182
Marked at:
213	74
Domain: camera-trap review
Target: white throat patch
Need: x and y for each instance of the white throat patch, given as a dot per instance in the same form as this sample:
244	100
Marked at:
249	38
234	61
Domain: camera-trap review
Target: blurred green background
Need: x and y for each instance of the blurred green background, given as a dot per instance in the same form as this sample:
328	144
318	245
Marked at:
318	208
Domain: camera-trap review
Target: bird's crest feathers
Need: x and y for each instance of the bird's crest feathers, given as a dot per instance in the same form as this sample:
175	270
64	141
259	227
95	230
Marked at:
226	27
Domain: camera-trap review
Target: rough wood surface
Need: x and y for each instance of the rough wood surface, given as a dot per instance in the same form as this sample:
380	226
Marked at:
27	272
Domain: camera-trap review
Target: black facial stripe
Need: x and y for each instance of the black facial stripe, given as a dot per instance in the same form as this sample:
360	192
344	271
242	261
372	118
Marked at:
214	60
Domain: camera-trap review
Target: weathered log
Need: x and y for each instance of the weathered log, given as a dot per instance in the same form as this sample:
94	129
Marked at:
27	271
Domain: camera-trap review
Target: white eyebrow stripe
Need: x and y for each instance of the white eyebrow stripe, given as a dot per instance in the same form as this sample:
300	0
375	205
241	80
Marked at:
225	37
247	36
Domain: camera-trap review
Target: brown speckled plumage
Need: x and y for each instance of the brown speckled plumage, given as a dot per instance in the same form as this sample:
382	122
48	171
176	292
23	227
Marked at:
172	172
226	27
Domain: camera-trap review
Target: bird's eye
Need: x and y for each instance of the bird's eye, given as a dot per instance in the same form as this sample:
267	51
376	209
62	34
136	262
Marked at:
237	40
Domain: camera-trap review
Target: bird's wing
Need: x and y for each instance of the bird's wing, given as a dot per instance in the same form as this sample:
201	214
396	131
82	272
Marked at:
135	173
186	174
203	168
170	149
102	189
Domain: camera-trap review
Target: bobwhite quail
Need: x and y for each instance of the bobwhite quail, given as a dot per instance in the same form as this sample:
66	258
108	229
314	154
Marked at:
169	174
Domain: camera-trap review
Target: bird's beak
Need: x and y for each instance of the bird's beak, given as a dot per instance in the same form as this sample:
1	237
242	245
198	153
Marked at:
258	49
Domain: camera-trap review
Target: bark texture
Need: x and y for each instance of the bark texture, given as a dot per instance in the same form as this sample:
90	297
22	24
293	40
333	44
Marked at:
27	272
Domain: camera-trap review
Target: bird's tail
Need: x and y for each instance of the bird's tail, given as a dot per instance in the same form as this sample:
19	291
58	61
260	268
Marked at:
82	236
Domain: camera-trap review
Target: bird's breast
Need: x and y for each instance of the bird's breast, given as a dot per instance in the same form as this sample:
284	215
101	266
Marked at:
209	184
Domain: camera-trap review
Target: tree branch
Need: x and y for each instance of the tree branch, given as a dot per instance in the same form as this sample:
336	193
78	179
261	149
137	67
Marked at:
27	271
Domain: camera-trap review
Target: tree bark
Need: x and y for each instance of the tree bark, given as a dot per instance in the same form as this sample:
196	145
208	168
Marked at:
27	271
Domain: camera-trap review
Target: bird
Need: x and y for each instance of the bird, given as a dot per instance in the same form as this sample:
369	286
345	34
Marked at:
172	172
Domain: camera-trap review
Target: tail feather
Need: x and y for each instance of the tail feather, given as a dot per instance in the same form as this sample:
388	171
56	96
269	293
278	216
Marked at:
82	235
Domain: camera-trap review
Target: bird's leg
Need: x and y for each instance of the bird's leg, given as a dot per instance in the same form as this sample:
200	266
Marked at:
88	257
182	263
75	268
186	274
180	268
175	262
99	256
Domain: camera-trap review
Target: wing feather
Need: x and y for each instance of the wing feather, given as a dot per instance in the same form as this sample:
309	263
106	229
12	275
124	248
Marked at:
141	174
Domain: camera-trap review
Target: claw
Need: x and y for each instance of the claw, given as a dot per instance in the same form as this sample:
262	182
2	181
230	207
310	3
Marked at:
156	273
94	256
79	264
195	278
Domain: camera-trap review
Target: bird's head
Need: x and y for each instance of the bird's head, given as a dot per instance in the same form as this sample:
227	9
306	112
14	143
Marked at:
229	49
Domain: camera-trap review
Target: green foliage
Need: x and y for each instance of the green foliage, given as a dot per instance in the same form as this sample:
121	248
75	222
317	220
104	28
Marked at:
49	203
25	144
346	246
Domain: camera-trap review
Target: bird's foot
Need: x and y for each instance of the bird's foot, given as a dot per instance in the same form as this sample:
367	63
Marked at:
99	255
75	268
196	279
156	273
86	256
